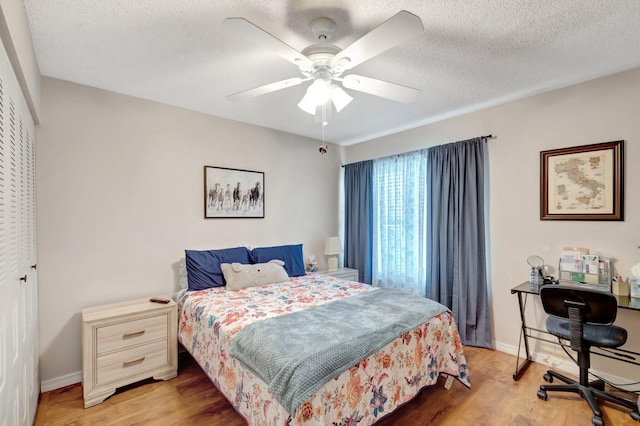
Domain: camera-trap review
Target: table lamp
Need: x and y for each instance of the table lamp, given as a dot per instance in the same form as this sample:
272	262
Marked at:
332	249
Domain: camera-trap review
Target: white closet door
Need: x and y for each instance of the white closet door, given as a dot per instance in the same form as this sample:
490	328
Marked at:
19	373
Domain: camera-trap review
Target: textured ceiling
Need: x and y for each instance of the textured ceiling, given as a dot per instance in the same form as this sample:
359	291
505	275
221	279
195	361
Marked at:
473	54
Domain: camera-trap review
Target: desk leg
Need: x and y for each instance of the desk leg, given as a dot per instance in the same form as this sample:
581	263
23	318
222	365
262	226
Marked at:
522	367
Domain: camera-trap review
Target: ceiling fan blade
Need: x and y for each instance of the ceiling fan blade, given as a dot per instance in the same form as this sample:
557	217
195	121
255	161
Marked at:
259	36
396	30
267	88
384	89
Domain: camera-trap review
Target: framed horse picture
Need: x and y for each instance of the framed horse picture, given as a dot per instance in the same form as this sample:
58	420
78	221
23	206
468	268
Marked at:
233	193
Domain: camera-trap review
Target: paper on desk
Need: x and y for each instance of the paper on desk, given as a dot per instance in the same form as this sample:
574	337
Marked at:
571	261
635	270
570	255
590	263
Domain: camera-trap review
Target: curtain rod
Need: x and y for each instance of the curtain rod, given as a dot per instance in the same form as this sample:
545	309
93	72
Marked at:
485	137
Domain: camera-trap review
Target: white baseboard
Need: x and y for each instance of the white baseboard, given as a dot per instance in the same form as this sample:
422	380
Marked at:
60	382
563	364
549	360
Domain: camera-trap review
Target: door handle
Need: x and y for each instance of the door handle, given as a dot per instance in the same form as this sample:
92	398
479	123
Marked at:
24	278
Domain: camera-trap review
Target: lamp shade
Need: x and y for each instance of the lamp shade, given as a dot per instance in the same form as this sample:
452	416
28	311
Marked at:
318	93
332	246
321	92
340	98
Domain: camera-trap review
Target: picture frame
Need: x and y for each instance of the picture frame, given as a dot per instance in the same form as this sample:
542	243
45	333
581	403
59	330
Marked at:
233	193
583	182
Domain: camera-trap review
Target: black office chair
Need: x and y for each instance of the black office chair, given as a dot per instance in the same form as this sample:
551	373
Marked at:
584	317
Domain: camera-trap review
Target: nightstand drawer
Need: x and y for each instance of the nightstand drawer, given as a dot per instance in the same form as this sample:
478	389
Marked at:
118	336
130	361
347	275
344	273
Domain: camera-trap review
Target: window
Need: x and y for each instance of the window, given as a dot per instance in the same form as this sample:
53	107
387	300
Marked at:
399	222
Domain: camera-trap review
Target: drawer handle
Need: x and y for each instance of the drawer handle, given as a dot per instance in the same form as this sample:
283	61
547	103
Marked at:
126	364
132	335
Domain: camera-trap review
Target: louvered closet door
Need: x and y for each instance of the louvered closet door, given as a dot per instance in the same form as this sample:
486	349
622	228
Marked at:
19	372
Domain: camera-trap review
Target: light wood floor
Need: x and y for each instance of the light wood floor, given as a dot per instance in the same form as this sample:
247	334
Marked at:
191	399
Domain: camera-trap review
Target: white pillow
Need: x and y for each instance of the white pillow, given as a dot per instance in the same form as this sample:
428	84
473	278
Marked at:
182	274
238	275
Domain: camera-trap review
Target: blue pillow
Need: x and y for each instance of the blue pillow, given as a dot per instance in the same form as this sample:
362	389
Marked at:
203	267
291	255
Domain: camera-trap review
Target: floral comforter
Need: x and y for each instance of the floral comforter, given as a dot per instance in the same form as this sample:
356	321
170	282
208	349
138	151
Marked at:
374	387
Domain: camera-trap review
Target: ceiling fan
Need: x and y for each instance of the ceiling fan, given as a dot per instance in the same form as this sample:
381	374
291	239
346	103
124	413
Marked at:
325	63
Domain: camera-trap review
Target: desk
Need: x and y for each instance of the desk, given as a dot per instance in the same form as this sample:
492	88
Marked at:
526	289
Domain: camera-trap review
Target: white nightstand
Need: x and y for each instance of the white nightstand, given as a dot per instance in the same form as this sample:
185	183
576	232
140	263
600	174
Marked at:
344	273
126	342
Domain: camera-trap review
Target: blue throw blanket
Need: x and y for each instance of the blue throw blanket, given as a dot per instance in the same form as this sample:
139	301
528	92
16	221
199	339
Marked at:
296	354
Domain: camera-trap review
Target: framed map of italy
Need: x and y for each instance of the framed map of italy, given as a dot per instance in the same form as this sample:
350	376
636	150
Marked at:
583	182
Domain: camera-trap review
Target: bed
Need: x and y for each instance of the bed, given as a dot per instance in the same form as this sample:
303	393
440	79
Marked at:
215	324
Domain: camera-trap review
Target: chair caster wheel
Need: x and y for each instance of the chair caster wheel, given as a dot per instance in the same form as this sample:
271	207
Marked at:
548	378
597	421
542	394
635	416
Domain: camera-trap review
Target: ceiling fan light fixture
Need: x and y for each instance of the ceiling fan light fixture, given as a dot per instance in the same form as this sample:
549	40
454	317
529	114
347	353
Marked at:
318	93
340	98
307	104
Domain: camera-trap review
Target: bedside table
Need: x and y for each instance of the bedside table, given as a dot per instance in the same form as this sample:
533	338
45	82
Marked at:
126	342
344	273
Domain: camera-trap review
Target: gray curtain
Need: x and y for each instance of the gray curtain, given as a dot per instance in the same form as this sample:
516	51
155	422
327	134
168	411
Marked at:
358	209
457	275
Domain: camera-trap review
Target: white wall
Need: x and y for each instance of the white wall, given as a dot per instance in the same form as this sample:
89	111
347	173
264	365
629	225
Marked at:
597	111
120	196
